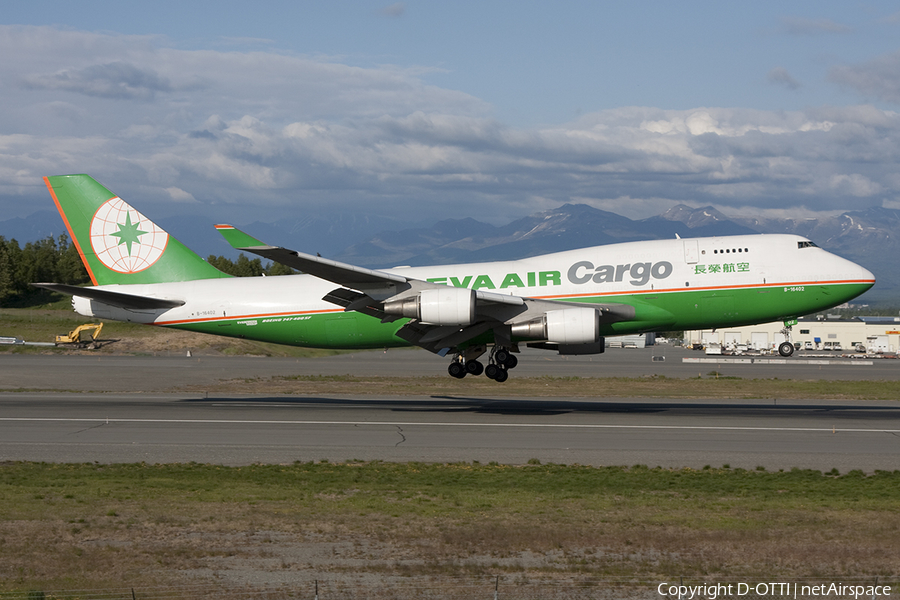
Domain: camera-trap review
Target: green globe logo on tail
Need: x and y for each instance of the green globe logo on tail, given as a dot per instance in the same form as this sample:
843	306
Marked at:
125	240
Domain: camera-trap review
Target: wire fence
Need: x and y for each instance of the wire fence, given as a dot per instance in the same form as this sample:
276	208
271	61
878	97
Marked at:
500	588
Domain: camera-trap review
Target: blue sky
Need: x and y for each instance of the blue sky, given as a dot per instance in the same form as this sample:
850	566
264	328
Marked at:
490	110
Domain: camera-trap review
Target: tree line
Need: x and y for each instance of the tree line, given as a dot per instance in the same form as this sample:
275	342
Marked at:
53	260
56	260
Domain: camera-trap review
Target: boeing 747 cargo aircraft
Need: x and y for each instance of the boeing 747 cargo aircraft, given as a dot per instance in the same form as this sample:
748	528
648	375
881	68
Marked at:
565	302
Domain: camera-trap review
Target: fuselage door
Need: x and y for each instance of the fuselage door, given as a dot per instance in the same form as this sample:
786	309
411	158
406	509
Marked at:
691	253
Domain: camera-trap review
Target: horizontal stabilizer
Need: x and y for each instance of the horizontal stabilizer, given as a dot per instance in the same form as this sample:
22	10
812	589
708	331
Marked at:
126	301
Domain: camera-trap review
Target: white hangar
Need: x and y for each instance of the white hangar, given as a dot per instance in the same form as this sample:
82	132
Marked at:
874	335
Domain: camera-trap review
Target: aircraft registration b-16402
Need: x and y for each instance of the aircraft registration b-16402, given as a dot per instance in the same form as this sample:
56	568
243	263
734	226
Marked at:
565	302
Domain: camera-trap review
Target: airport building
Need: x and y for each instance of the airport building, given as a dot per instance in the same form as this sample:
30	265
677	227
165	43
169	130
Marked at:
873	335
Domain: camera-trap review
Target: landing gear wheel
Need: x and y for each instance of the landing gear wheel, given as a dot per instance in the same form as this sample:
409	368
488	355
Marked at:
786	348
502	376
473	367
456	369
511	362
501	355
491	371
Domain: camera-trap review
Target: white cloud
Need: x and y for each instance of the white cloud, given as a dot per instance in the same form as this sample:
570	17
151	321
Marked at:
112	80
855	185
397	9
780	76
802	26
277	133
878	78
179	195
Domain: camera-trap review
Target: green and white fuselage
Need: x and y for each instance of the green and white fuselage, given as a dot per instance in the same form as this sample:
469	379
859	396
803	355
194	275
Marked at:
771	279
619	288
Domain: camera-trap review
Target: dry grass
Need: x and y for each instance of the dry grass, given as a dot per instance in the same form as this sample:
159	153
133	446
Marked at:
69	526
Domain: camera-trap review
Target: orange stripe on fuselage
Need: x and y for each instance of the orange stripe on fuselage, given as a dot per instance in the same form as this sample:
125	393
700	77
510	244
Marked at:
242	317
71	233
708	288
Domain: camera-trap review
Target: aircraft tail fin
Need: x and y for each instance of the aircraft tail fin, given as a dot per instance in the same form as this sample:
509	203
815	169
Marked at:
117	244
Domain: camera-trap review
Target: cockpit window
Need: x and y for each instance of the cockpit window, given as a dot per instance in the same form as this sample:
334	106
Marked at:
806	245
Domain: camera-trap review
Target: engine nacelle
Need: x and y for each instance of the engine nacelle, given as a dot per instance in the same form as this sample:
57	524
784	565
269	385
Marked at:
438	306
564	326
573	326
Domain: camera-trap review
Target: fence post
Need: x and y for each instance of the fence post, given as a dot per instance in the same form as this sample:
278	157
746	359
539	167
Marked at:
317	589
496	587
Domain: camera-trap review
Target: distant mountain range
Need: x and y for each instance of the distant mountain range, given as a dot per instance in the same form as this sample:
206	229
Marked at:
568	227
870	237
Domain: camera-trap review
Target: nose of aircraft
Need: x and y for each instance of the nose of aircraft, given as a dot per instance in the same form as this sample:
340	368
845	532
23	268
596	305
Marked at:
841	269
854	279
866	275
860	274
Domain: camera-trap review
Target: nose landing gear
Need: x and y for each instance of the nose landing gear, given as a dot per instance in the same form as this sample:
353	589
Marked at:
786	348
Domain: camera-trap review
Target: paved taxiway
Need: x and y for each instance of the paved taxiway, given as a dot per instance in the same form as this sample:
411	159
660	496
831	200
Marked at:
140	416
103	372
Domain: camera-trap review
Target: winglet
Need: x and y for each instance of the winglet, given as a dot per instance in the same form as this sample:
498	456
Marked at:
237	238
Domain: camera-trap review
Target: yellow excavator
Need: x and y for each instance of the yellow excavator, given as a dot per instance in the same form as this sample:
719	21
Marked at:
82	336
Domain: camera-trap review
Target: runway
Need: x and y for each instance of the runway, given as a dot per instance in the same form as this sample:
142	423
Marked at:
243	430
129	409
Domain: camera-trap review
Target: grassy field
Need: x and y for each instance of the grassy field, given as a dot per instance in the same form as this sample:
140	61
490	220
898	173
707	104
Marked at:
45	323
80	526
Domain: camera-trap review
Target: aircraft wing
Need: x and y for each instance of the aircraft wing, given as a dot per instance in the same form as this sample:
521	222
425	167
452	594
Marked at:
126	301
340	273
323	268
389	297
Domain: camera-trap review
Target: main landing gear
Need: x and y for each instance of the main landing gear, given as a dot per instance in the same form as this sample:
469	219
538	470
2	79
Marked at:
500	362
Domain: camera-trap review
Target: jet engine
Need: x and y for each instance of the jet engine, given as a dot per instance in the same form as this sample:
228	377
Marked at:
438	306
564	326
